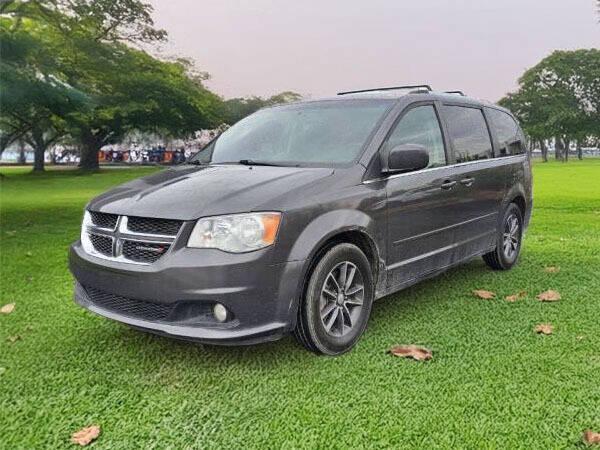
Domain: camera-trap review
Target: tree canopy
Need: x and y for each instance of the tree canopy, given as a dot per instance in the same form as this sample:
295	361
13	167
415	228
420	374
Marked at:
35	102
560	97
236	109
78	68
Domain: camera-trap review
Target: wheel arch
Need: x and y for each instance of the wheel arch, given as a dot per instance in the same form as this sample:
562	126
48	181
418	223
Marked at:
519	200
519	195
516	194
360	235
356	236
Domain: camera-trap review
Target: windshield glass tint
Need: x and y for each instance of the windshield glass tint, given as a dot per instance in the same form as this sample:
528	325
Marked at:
314	133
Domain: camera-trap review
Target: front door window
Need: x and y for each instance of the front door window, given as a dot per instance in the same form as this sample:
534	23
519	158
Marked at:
420	126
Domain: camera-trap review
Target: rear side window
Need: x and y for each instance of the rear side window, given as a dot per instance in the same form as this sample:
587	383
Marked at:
420	126
469	133
507	133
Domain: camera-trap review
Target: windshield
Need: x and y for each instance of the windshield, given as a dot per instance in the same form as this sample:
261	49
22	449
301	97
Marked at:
310	133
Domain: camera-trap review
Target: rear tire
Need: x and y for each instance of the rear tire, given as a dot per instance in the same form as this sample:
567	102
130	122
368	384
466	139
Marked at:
508	240
336	305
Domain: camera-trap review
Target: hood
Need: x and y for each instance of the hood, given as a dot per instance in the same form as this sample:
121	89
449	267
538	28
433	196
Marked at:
188	192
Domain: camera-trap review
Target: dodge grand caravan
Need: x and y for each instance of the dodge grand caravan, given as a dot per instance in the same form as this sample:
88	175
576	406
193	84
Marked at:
299	216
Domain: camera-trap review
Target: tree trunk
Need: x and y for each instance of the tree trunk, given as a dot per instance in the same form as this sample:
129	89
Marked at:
579	150
38	157
22	158
544	149
558	148
89	154
566	146
39	149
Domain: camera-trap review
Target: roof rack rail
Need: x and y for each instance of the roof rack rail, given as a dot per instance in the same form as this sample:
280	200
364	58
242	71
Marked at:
455	92
393	88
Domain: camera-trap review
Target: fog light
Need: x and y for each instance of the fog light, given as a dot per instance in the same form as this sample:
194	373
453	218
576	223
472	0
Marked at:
220	312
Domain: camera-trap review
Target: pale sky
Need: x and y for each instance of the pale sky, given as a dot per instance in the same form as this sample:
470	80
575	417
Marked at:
317	48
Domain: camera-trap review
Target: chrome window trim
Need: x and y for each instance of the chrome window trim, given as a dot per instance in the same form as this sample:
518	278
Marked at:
431	169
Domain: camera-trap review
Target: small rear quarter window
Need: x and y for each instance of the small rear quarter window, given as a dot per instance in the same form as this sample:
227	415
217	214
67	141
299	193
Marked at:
506	131
468	132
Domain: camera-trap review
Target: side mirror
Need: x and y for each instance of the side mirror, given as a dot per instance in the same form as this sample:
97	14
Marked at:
406	158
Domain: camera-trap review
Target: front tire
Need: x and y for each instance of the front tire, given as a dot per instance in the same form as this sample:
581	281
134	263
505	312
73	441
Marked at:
335	309
508	240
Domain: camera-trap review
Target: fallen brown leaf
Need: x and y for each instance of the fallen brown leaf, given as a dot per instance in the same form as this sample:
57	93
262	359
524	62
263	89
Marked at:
551	269
515	297
411	351
7	309
544	328
85	435
13	339
481	293
591	437
548	296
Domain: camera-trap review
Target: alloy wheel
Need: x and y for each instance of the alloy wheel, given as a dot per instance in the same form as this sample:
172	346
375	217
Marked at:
341	300
511	236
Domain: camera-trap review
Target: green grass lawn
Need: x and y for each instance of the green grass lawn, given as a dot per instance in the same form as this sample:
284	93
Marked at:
493	382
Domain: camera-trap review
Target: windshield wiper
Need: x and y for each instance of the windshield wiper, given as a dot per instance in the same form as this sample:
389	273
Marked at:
251	162
196	162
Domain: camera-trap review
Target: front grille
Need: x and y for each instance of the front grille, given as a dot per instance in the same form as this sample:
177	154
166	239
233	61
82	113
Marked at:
140	240
104	220
134	308
153	226
147	252
102	244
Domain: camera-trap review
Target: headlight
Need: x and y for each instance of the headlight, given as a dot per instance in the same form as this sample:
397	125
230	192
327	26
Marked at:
236	233
86	242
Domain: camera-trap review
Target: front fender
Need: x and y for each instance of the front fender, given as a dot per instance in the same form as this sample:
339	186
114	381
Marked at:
325	226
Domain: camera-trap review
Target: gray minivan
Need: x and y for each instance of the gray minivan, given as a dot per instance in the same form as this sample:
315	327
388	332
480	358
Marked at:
299	216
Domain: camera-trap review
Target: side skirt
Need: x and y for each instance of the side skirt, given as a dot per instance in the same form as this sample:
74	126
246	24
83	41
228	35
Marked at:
427	275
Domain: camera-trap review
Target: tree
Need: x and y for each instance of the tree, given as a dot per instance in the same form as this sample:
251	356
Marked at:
102	20
236	109
89	44
90	29
34	101
131	90
560	98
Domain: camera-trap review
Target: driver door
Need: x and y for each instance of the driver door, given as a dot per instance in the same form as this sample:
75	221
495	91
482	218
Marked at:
423	206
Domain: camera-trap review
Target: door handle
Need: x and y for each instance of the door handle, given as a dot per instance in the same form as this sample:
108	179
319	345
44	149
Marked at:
448	184
467	181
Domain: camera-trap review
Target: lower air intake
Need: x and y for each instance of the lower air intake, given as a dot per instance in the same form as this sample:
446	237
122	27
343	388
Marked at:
134	308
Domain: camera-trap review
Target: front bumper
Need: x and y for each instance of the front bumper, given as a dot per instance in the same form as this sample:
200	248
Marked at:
184	285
